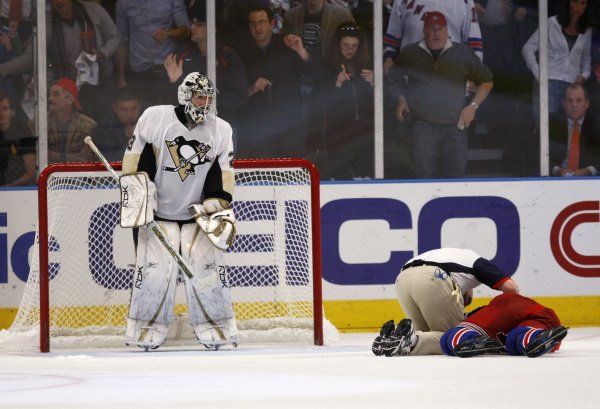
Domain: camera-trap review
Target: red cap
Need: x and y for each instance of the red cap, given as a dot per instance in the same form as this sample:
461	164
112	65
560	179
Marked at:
69	86
435	18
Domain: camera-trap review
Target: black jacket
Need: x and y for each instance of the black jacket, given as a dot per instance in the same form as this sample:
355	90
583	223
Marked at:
559	139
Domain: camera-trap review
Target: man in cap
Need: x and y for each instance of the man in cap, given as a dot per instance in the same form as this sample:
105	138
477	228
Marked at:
67	126
430	87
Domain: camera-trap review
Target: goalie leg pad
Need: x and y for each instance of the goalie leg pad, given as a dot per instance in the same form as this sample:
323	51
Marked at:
209	306
153	290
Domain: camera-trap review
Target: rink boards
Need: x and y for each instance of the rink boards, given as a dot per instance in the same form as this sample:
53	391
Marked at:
544	232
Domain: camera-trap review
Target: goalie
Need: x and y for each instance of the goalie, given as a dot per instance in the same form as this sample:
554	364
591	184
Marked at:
177	170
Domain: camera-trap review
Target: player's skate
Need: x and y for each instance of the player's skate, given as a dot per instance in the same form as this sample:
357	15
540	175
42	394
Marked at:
402	340
544	342
384	333
215	336
478	346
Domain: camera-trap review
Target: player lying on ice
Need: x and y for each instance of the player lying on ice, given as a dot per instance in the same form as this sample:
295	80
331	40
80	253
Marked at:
177	170
510	324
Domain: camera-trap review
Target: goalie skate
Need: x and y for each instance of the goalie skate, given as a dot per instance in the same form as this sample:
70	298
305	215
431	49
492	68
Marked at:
214	336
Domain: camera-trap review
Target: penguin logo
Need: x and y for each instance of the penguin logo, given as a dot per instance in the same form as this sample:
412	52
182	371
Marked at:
186	156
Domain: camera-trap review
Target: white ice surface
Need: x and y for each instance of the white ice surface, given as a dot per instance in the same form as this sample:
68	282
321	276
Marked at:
344	375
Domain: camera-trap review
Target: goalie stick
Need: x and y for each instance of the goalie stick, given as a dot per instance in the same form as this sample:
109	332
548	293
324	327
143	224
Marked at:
197	282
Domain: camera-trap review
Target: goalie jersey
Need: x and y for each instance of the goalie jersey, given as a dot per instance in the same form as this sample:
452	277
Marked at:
187	165
406	24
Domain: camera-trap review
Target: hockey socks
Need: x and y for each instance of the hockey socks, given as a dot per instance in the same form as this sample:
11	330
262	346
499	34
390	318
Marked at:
468	340
534	342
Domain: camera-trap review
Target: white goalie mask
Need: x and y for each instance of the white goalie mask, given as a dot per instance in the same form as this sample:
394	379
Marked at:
190	94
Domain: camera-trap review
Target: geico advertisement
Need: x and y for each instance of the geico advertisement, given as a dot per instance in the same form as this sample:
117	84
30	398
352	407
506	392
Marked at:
546	233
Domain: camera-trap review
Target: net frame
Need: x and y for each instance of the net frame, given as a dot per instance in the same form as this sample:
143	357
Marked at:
315	223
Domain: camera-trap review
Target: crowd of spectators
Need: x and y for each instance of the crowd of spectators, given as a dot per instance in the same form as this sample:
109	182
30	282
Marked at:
295	78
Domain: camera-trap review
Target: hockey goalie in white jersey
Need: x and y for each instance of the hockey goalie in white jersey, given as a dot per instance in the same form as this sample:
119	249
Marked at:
178	171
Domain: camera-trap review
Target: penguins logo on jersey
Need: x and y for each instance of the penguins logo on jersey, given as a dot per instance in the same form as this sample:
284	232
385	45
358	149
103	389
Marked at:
186	156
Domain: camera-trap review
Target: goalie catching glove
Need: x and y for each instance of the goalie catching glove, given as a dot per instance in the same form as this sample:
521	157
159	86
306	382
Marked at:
138	199
217	222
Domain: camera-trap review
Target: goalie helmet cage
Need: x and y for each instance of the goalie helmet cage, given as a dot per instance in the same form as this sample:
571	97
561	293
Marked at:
302	245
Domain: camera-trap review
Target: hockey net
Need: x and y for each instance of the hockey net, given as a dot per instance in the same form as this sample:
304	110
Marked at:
82	264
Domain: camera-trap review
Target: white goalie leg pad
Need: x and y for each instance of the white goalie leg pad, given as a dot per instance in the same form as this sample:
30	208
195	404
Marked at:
210	308
153	289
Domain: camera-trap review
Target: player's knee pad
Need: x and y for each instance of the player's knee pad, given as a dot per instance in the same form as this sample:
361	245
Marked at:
211	303
153	288
455	336
518	338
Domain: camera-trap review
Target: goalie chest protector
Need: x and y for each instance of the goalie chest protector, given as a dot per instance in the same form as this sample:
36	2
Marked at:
183	156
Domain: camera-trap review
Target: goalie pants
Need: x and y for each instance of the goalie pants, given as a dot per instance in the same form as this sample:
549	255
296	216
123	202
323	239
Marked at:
433	301
155	281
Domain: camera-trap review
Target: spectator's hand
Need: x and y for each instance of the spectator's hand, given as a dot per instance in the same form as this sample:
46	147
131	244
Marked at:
387	64
160	35
342	77
479	9
294	42
467	115
261	84
574	172
367	75
121	83
520	14
174	68
402	109
580	80
5	41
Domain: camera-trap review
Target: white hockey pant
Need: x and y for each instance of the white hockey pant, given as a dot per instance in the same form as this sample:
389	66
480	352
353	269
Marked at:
155	282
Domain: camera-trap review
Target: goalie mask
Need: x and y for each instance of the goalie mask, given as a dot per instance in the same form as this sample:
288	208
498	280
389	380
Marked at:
196	93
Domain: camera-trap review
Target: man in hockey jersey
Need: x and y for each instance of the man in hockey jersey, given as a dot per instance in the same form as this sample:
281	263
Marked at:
433	288
406	25
186	153
510	323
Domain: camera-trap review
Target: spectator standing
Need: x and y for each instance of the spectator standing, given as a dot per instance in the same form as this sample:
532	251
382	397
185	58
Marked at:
434	98
274	64
17	148
433	288
149	32
569	53
574	146
82	40
116	129
67	126
406	25
315	21
350	105
232	82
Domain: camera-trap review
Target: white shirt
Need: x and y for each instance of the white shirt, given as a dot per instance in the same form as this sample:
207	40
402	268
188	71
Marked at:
183	156
468	268
563	65
406	23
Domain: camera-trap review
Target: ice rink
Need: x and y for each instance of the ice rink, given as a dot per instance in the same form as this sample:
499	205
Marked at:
343	375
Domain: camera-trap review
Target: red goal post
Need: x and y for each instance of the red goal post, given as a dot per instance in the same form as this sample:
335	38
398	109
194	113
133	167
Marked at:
258	172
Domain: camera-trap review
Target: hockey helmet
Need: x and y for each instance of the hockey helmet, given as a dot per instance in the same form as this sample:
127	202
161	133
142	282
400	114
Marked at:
190	93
